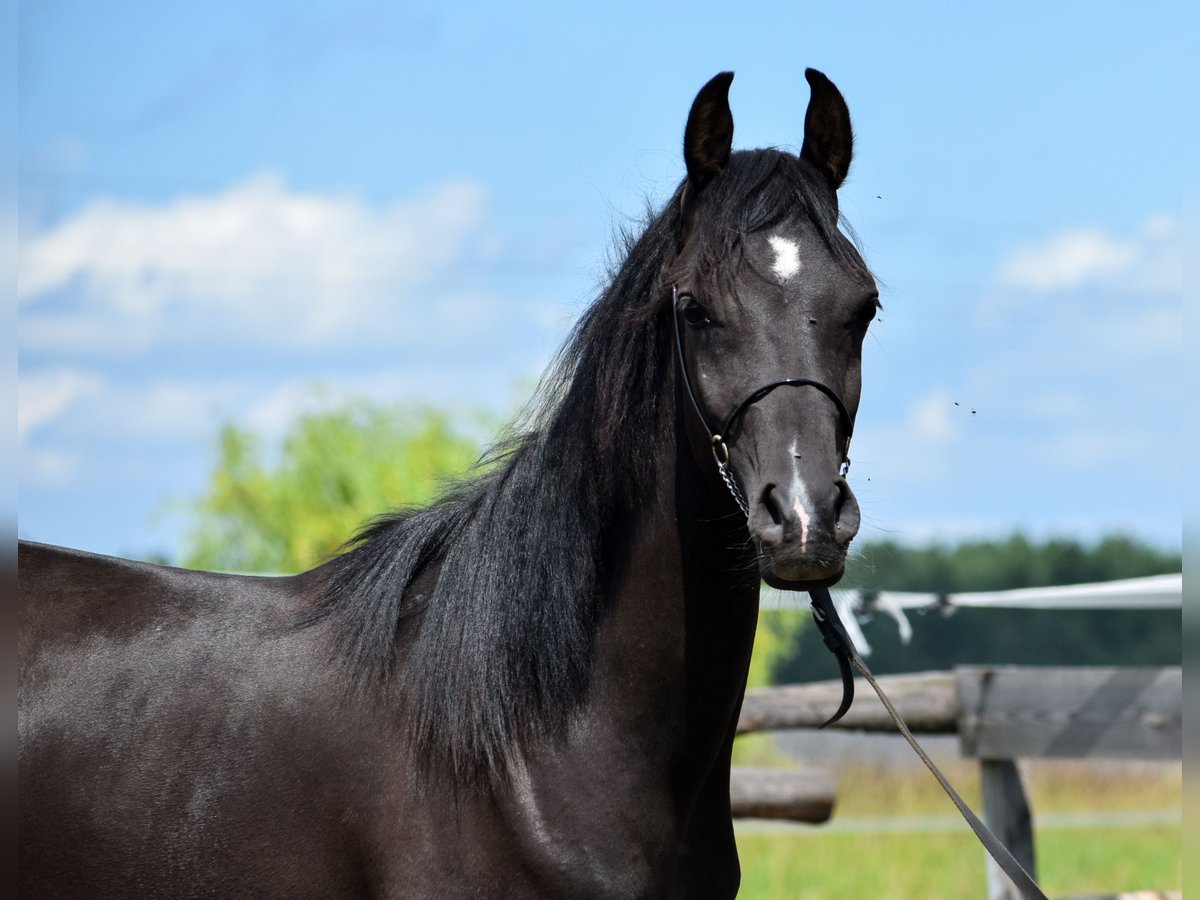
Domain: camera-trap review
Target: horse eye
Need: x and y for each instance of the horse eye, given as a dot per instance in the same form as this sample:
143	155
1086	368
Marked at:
866	314
694	313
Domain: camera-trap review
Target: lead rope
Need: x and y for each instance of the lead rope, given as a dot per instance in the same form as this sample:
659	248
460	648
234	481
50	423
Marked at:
826	614
839	643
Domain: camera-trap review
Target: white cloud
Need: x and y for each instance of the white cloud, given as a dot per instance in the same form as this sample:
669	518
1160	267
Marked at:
46	396
257	261
1067	259
85	409
48	466
176	410
166	410
1150	331
915	447
1147	260
931	420
42	399
1097	448
1056	404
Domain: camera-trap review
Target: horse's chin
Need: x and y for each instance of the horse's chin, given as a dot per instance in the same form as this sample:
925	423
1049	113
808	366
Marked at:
802	576
806	584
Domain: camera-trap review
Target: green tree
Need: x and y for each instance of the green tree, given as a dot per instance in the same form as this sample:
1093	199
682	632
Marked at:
1003	564
336	469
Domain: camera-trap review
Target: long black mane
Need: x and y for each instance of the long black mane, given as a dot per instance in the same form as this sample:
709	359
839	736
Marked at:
497	647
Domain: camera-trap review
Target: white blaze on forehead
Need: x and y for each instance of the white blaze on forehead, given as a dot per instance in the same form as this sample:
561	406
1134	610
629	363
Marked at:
787	257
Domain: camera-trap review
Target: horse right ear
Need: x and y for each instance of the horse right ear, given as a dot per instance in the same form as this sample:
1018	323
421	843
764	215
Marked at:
708	138
828	137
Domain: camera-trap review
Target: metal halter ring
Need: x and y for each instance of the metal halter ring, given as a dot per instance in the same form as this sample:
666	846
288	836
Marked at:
720	450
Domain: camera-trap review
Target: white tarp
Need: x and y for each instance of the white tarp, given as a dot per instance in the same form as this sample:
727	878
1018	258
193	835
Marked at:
1154	592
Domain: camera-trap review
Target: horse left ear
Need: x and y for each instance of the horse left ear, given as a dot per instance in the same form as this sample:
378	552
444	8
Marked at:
708	138
828	140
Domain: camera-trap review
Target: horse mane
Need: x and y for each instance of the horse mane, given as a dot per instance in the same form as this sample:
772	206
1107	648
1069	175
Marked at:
497	647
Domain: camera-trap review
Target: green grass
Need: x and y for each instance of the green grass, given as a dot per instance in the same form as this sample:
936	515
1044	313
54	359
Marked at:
814	865
894	835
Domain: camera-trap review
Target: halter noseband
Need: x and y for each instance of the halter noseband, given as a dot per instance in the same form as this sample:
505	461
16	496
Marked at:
717	439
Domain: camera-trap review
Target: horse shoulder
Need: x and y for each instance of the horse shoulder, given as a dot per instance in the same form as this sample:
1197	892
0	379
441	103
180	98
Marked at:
164	713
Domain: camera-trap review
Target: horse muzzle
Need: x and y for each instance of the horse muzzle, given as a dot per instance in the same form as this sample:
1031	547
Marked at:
803	532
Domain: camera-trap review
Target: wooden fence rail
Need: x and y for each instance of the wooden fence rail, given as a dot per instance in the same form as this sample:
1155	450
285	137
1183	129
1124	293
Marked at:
1003	712
1000	714
927	701
799	795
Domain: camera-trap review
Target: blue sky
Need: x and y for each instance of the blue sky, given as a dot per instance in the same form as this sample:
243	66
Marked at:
235	211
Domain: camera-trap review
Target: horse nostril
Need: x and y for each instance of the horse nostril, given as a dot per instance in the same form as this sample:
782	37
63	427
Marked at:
847	514
771	502
843	491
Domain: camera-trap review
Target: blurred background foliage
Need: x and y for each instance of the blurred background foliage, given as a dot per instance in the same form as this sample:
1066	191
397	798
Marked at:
285	509
1003	564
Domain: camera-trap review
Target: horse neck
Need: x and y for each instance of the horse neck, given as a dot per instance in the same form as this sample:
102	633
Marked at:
720	585
680	632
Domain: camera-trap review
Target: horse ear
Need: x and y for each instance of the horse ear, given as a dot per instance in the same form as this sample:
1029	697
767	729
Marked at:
708	137
828	140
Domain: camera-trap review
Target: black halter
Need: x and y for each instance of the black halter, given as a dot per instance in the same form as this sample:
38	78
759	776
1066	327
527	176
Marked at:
718	439
824	612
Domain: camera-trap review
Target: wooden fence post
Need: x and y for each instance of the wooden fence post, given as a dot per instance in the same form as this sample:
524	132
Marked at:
1006	812
1000	714
1010	712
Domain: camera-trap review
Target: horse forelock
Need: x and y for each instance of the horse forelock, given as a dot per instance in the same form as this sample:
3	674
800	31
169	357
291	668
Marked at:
761	190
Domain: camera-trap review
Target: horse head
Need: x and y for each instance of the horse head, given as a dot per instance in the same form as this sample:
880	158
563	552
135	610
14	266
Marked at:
771	305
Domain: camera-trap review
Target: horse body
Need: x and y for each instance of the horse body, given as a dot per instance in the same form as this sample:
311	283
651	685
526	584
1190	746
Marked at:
530	688
180	737
164	742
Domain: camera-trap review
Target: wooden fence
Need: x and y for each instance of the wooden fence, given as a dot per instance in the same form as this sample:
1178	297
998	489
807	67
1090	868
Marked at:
1000	714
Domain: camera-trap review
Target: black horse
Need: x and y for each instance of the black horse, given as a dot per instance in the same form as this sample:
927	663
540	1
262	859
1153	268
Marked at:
529	688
